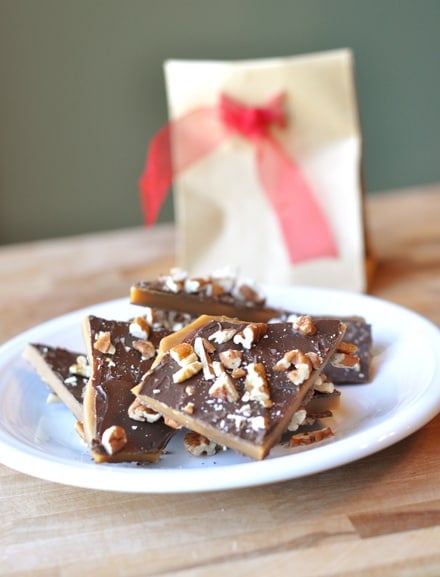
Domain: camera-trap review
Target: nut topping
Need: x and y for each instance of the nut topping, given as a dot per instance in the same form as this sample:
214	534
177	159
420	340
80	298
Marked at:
183	354
323	385
81	367
302	364
103	343
202	347
297	419
345	361
139	328
187	371
247	293
140	412
349	348
222	336
231	358
146	348
310	437
113	439
224	388
250	335
198	445
315	359
304	324
256	385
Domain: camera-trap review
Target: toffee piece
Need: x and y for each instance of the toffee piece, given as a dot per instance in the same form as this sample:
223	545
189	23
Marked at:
237	383
119	354
220	294
217	294
65	372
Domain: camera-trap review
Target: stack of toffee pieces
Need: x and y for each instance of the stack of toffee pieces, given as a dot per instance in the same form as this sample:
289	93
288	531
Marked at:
207	356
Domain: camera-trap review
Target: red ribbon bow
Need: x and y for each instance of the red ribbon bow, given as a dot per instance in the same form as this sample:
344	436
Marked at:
182	142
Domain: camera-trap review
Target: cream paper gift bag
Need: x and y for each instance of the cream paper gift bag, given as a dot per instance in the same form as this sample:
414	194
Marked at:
224	217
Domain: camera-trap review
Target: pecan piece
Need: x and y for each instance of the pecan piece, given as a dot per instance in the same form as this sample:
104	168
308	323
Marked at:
250	335
301	363
256	385
310	437
103	343
304	324
113	439
138	411
198	445
183	354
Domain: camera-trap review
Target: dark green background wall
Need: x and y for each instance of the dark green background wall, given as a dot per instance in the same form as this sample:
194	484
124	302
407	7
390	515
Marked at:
82	93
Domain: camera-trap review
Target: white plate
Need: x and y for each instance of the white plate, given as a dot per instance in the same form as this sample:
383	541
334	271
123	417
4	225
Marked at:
38	438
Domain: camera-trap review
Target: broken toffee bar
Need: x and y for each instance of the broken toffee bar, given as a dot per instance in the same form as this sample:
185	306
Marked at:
223	294
238	383
65	372
216	294
119	354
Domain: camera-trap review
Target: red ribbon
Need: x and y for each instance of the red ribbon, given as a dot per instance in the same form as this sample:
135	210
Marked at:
182	142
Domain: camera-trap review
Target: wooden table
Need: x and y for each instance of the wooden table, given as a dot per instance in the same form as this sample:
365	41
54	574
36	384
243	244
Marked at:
379	516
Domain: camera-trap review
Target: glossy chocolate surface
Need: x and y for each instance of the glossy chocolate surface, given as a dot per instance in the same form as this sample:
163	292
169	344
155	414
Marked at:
60	361
158	294
241	419
113	376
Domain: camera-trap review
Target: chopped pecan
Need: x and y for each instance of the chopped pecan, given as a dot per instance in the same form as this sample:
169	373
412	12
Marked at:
187	371
138	411
224	388
323	385
297	419
103	343
310	437
139	328
256	385
81	367
302	366
201	348
231	358
315	359
344	347
198	445
113	439
183	354
345	361
222	336
146	348
189	408
304	324
250	335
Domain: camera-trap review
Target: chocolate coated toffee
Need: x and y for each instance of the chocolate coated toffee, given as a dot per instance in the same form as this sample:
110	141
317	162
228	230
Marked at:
119	354
239	383
217	294
223	294
65	372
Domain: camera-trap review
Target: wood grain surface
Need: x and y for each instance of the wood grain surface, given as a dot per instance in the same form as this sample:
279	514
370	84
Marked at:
374	517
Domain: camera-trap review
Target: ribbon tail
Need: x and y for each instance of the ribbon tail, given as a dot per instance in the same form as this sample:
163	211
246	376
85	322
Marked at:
157	176
174	148
306	231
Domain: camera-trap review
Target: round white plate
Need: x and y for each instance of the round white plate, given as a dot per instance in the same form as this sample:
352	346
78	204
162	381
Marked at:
38	438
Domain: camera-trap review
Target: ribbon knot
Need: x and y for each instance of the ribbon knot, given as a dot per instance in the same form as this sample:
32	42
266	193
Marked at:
182	142
252	121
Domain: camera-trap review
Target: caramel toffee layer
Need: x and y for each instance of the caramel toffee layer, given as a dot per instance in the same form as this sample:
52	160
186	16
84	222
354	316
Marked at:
247	391
66	372
222	302
119	354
